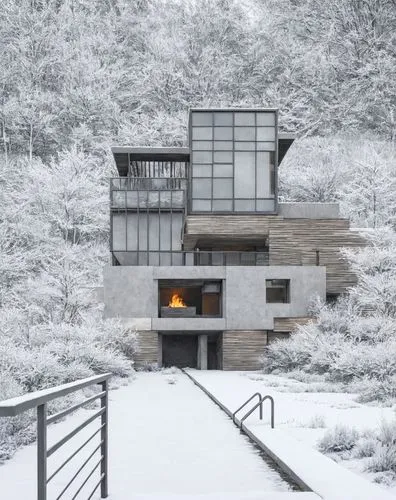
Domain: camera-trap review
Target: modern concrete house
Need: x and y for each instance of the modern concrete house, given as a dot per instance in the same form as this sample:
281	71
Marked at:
206	263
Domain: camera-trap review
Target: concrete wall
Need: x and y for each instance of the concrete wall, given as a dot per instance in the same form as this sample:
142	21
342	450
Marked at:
309	210
131	293
245	294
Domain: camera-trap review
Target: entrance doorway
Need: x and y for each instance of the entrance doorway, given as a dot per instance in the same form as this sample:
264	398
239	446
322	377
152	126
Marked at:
180	351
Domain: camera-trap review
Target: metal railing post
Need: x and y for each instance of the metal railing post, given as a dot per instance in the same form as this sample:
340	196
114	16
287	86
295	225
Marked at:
42	452
104	433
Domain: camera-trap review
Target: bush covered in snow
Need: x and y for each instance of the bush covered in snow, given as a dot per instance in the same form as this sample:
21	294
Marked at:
351	342
340	438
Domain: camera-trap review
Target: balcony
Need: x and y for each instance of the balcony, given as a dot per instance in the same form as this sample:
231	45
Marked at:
142	193
191	258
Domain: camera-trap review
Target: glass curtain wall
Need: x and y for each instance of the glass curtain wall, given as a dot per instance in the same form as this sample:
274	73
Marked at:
233	161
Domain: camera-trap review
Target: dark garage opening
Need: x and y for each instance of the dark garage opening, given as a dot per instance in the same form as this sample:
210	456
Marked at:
180	350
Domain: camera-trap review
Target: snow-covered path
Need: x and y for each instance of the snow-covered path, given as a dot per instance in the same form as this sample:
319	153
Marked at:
165	438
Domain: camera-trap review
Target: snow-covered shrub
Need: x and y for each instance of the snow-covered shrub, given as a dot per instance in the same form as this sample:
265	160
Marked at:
372	389
365	447
316	422
338	439
383	460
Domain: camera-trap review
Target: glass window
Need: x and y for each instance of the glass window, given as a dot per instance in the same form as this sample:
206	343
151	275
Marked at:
245	146
202	171
265	205
222	145
202	133
222	205
265	133
165	231
266	146
202	188
244	133
244	206
277	291
222	188
202	157
223	133
118	231
202	145
243	118
223	170
201	205
245	177
263	174
199	118
222	156
223	118
265	119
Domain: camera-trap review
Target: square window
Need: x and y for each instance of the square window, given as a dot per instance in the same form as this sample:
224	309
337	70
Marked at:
223	118
222	145
277	291
266	134
244	133
201	205
223	170
202	188
200	118
266	146
243	118
202	133
202	170
202	145
266	119
265	205
245	146
202	157
223	133
222	205
222	188
222	157
244	206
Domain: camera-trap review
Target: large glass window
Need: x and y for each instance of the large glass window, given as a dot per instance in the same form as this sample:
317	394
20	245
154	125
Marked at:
233	161
277	291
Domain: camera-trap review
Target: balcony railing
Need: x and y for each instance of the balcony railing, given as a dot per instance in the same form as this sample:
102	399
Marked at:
148	193
192	258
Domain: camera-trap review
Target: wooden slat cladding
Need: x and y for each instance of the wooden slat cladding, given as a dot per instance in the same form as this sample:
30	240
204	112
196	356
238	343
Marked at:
242	349
297	241
225	227
148	349
289	324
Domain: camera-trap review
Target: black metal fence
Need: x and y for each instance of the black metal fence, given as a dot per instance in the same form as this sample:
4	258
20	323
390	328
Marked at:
39	400
192	258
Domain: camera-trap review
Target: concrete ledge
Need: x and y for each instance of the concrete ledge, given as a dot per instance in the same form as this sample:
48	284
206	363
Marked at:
310	469
189	272
309	210
190	324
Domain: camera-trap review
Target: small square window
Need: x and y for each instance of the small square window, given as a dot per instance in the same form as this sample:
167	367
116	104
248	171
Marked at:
202	157
243	118
222	156
277	291
223	133
202	133
266	119
223	118
200	118
245	133
266	134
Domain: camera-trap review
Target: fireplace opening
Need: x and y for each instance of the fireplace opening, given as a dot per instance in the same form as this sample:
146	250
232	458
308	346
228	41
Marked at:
189	299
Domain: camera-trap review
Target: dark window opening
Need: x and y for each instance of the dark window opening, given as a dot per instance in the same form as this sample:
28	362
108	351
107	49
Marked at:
277	291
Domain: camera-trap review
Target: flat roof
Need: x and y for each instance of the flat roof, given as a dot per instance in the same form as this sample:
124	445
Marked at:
235	109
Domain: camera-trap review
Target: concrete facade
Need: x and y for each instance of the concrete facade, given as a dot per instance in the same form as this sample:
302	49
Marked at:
131	293
309	210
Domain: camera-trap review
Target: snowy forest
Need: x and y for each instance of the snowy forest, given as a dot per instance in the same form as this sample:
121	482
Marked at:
81	75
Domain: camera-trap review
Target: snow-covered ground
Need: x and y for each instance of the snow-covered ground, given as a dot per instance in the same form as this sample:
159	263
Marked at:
299	413
166	438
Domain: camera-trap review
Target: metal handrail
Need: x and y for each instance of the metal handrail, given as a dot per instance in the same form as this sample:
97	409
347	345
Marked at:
39	400
248	401
256	405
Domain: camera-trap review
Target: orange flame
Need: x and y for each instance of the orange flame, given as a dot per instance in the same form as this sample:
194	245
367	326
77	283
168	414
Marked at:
176	301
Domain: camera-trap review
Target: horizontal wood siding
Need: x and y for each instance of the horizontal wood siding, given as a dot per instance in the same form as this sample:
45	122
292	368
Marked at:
148	349
296	241
289	324
242	349
273	336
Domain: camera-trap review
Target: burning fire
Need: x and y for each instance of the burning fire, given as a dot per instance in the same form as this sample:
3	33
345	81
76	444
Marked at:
176	301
